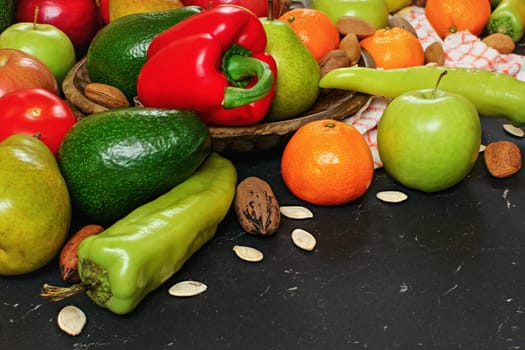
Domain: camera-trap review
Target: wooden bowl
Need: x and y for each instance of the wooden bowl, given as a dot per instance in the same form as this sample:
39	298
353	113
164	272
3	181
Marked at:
334	104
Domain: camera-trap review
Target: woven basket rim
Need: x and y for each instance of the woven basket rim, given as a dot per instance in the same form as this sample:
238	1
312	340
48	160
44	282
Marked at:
333	104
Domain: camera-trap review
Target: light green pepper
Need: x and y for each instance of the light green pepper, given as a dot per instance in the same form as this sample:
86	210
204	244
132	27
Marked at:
138	253
493	94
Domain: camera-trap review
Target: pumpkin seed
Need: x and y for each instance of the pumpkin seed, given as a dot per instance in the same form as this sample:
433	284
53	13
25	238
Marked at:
482	148
248	253
296	212
391	196
303	239
187	289
71	320
513	130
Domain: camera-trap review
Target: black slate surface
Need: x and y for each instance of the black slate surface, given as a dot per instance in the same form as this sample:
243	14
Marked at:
439	271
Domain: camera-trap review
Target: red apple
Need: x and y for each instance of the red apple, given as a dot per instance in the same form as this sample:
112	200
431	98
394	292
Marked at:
79	19
259	7
19	70
44	41
104	10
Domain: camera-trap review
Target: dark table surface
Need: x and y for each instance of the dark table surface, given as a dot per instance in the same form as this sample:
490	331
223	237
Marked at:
439	271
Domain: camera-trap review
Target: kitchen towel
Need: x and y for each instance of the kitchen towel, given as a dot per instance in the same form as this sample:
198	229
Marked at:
462	49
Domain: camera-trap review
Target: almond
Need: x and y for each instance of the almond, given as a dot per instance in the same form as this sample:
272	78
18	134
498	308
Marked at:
356	25
500	42
106	95
256	207
332	60
435	54
502	158
350	44
400	22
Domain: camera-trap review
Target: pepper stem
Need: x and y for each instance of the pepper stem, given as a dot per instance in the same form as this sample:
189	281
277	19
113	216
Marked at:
240	68
55	293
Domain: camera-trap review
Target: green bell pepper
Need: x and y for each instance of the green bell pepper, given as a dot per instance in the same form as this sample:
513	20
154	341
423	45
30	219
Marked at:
508	18
138	253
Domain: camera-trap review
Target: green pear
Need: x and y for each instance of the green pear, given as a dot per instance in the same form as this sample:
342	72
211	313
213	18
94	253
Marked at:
35	209
298	73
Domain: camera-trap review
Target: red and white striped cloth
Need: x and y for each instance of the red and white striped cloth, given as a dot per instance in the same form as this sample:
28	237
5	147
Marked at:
462	49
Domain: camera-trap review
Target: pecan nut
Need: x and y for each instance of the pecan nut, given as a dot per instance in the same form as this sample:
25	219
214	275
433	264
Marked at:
502	158
257	207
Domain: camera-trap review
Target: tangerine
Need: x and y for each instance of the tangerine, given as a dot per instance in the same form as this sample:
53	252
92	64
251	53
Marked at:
327	162
314	28
394	48
451	16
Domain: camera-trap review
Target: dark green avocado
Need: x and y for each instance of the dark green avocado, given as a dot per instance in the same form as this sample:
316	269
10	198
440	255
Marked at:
118	51
7	13
117	160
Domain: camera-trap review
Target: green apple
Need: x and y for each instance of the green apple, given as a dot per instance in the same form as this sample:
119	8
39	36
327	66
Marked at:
396	5
374	11
429	139
44	41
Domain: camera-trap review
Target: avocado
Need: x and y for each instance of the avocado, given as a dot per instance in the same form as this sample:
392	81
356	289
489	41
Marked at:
118	51
7	13
117	160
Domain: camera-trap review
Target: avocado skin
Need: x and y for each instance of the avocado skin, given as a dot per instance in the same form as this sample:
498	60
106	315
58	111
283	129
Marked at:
7	13
117	160
118	51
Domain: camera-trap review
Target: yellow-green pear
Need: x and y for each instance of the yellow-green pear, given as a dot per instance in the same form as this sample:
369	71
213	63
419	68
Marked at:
298	73
35	209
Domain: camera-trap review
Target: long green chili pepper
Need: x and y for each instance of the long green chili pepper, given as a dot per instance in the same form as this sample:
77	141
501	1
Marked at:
138	253
493	94
508	18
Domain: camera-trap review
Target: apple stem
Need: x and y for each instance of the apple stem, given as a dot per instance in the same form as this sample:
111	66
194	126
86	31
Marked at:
35	17
437	82
210	4
270	10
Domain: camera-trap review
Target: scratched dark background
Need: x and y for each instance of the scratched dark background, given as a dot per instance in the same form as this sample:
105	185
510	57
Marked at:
439	271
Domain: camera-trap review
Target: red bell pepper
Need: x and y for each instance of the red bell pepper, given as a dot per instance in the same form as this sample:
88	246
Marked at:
214	63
